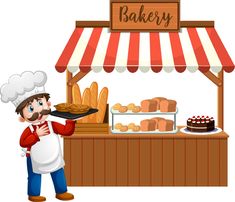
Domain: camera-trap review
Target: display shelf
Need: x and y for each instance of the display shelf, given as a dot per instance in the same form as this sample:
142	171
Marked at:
114	131
129	112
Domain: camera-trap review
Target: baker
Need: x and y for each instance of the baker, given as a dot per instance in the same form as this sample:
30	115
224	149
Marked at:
27	93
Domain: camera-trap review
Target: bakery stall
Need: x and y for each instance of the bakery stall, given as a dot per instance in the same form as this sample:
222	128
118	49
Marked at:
155	151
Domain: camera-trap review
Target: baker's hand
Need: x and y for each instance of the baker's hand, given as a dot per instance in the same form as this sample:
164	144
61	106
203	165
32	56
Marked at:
42	131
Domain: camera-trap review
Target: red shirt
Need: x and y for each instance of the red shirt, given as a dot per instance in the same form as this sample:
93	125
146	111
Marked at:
28	138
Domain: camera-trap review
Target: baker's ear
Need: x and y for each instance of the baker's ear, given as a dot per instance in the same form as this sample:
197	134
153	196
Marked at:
21	119
49	103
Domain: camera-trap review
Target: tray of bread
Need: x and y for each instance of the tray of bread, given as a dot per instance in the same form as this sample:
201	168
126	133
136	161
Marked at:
157	105
72	111
156	125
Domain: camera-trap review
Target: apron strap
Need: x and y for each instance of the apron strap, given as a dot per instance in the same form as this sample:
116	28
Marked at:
31	128
50	126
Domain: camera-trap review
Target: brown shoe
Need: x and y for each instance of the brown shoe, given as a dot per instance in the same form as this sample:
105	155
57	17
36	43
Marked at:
65	196
37	198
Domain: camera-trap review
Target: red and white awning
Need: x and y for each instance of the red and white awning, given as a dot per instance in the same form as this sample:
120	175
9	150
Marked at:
192	49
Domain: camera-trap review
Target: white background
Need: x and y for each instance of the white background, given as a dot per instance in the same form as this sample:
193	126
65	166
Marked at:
32	37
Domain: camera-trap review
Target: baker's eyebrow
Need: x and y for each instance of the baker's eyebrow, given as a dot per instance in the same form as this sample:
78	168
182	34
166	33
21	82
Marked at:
39	98
29	103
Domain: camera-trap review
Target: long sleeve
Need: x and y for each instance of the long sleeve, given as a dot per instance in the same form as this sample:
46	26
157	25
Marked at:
28	138
65	130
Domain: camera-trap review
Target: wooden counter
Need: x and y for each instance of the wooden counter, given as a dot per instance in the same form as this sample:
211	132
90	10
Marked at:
146	160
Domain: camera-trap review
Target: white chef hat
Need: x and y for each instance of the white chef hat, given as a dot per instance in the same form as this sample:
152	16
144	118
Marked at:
21	87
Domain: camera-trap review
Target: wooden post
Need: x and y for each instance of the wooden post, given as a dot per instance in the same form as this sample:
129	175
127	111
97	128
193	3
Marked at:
69	76
221	101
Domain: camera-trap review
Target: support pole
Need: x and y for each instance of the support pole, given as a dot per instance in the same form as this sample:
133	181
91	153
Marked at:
221	101
69	76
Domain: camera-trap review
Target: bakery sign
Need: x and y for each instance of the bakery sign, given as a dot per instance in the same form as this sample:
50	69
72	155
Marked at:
144	15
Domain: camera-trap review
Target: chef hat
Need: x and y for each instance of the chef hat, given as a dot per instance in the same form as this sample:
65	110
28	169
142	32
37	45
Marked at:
21	87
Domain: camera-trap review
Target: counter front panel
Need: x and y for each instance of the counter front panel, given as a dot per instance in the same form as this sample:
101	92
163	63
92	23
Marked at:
146	160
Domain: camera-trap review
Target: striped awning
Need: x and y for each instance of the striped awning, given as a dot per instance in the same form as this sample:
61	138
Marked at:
98	49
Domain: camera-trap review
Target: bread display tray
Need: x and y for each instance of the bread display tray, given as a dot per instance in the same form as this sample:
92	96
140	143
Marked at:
114	131
67	115
129	112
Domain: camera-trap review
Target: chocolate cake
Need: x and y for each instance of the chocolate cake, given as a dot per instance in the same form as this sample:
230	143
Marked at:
200	124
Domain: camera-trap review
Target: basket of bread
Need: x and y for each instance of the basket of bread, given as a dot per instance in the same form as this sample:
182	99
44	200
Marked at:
95	122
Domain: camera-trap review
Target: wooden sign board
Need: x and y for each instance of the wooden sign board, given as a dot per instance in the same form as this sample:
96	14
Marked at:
144	16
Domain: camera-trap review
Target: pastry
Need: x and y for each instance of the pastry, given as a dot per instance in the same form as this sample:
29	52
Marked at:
124	129
130	106
118	126
63	107
136	109
131	126
123	109
78	108
136	129
116	106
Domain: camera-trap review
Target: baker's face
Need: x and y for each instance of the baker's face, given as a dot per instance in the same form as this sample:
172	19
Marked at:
37	111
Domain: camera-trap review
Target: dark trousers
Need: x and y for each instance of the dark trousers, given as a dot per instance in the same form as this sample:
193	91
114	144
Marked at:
34	180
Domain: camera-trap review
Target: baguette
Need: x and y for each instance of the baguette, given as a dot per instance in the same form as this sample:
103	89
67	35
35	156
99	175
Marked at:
86	97
76	94
102	104
94	96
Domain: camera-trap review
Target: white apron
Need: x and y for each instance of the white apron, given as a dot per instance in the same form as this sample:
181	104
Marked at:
46	155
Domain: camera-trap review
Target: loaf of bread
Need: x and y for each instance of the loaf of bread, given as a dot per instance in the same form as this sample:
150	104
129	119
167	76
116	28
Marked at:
157	119
93	101
76	94
168	106
147	125
158	100
165	125
86	100
102	104
148	106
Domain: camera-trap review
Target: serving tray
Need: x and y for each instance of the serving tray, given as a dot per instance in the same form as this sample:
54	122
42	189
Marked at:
67	115
186	131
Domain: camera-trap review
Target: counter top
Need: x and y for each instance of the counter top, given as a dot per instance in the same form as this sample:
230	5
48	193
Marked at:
179	134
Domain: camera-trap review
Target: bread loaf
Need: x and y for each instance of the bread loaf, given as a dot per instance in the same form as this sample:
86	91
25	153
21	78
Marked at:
148	106
102	104
94	97
168	106
157	119
76	94
165	125
94	94
86	97
158	100
147	125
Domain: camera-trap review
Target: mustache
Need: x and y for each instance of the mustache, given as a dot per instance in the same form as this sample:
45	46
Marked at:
36	114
